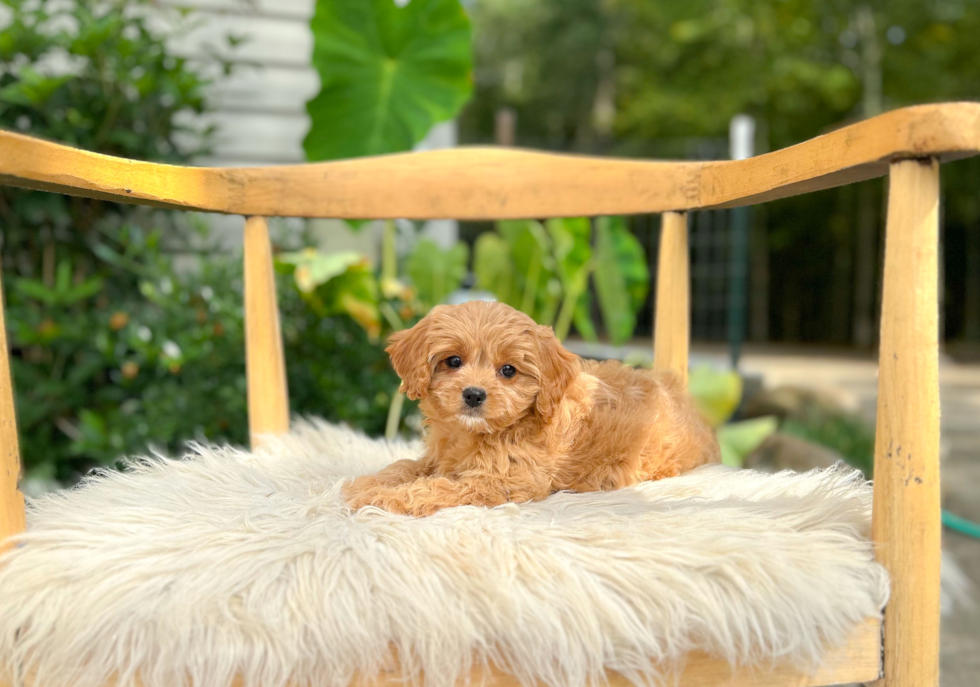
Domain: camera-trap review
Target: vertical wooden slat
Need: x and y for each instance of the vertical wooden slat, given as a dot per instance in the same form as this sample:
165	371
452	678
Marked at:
672	322
906	512
11	500
268	398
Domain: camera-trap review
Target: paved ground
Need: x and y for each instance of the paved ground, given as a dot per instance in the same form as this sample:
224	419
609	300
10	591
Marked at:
960	397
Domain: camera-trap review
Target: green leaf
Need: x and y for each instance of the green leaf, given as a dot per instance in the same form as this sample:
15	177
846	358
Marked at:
387	74
35	289
313	268
570	237
582	317
573	259
739	439
435	272
355	293
62	278
534	263
86	289
716	393
621	277
494	267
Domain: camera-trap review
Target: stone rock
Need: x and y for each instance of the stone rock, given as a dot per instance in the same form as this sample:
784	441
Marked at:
786	452
787	401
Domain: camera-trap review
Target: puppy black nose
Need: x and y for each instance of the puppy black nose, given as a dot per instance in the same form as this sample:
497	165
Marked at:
474	396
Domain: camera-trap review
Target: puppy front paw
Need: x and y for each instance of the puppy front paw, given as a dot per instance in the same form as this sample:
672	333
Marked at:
360	485
391	500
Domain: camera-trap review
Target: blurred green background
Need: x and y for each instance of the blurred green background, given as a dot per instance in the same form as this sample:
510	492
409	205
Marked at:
126	323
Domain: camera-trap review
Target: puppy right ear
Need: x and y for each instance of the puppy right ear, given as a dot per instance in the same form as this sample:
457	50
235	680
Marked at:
409	351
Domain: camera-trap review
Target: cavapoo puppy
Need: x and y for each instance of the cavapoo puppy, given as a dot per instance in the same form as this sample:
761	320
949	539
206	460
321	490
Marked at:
511	415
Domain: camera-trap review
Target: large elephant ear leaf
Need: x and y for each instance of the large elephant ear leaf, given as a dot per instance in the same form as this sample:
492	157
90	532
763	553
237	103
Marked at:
387	74
621	277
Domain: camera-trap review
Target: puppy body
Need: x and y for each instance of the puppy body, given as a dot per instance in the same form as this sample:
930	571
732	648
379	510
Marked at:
548	421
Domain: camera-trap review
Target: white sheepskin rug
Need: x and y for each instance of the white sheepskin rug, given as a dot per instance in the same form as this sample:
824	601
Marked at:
229	563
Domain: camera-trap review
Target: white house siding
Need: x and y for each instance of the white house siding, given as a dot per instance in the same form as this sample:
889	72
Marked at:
260	110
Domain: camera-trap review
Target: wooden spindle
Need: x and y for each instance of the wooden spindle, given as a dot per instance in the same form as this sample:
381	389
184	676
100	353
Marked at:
672	323
268	397
906	511
12	520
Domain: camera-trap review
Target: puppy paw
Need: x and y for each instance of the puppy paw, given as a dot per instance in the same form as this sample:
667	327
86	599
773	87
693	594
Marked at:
360	485
391	501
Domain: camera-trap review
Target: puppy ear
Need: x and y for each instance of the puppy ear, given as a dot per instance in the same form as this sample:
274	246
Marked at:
558	369
409	351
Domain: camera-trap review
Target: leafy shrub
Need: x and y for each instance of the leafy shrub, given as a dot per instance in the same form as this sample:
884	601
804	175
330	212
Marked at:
114	350
543	269
97	379
98	76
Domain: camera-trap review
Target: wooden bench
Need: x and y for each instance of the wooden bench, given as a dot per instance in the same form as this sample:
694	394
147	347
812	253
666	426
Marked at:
490	183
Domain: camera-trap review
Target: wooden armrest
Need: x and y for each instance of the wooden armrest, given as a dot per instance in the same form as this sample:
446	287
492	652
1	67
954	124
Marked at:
499	183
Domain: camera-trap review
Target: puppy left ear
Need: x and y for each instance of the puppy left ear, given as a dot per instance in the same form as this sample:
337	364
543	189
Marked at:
409	351
558	369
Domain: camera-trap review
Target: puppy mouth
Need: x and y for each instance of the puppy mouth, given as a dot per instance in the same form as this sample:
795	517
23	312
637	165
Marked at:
472	418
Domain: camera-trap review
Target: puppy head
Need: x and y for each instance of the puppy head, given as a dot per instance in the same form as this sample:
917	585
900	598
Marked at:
481	365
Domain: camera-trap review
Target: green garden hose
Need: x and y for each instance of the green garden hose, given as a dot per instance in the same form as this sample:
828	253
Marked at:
961	525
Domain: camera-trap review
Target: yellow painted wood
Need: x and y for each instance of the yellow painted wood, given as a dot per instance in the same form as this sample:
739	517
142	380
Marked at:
11	500
672	322
906	511
498	183
268	397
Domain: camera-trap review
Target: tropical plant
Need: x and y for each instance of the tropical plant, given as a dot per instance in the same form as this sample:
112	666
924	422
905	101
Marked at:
387	74
544	269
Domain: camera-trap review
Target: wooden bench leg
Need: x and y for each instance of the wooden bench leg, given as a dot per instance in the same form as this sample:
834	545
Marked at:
268	398
906	513
672	320
11	500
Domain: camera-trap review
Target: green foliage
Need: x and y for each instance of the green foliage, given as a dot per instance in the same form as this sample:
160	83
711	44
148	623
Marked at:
436	272
847	435
621	277
335	284
387	74
166	363
98	76
739	439
663	79
544	270
718	394
112	349
553	61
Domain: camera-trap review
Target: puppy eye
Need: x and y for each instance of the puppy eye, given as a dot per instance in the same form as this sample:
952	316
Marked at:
508	371
453	361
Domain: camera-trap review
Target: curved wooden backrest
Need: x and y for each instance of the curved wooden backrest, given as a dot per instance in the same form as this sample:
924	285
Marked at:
488	183
496	183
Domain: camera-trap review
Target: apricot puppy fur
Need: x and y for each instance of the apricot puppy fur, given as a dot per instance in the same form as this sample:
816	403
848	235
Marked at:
510	415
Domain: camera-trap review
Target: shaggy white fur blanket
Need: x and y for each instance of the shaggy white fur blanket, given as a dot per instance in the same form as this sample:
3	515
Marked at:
229	563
